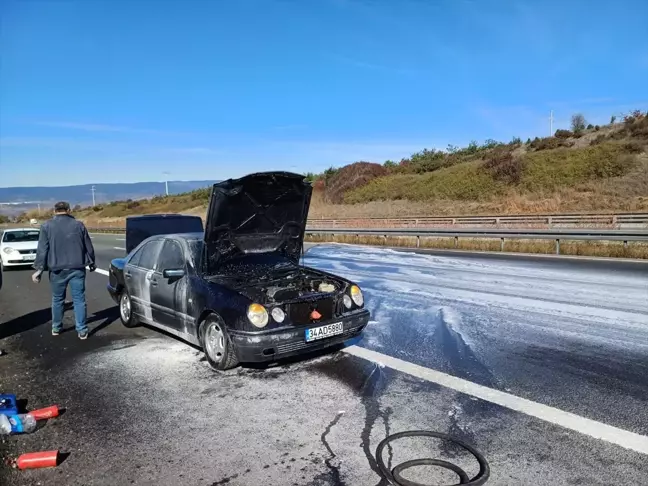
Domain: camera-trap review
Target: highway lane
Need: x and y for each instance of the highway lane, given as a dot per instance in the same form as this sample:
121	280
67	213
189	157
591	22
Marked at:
168	418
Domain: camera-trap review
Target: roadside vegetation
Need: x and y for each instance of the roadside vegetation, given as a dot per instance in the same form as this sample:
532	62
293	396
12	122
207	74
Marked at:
586	168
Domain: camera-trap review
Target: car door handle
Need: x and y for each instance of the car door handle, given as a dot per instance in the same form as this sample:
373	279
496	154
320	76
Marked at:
153	283
128	275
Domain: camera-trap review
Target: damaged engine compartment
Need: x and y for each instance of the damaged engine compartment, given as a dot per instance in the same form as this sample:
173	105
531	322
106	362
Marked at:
300	284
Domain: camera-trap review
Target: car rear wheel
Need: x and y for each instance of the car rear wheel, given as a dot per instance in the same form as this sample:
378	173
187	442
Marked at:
217	346
126	310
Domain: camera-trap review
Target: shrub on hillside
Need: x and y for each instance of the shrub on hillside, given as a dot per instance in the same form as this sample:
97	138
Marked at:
548	171
563	134
351	177
549	143
633	147
590	126
599	139
504	167
425	161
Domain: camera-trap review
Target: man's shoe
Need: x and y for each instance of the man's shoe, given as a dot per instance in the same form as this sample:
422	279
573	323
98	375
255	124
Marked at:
83	335
56	332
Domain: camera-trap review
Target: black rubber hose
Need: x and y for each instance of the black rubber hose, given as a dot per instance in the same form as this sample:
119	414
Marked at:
395	478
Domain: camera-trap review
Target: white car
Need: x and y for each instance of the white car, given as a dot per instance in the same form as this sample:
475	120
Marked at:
18	246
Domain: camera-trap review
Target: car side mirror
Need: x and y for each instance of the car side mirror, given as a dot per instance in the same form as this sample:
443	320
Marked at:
173	273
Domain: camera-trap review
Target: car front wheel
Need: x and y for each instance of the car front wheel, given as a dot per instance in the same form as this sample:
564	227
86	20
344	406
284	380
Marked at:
126	310
217	346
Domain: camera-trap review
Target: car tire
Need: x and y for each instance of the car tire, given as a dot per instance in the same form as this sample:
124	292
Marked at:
126	315
217	345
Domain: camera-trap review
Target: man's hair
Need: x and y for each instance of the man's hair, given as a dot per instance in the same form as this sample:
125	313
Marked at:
62	207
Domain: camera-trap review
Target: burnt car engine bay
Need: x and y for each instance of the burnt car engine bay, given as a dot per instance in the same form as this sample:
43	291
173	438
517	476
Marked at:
298	292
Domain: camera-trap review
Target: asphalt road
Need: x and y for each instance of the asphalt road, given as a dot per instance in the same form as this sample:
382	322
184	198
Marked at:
542	364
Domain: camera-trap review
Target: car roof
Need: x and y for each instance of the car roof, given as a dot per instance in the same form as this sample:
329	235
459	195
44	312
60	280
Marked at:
180	236
11	230
163	215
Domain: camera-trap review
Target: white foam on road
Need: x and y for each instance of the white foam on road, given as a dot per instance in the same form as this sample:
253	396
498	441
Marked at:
592	428
516	299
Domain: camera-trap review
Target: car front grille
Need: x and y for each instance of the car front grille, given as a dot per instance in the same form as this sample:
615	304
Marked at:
27	252
299	345
300	312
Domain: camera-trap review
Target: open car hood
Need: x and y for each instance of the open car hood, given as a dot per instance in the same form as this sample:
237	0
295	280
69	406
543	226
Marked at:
259	213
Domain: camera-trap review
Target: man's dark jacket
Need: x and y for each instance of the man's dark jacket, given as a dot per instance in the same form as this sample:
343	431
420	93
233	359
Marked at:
64	244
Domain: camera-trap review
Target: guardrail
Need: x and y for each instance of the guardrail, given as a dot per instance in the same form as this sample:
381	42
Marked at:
557	235
537	219
501	234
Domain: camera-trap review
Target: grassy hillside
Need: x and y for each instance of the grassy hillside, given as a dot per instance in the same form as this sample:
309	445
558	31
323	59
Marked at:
588	169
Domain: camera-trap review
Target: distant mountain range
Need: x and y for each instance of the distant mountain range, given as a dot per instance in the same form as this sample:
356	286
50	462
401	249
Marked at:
14	200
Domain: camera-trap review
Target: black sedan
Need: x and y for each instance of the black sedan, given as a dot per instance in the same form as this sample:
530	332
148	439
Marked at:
237	289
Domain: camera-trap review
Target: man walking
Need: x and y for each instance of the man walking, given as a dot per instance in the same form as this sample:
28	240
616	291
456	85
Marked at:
65	249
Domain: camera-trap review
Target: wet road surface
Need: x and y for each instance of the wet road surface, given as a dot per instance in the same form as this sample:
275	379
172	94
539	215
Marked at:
144	408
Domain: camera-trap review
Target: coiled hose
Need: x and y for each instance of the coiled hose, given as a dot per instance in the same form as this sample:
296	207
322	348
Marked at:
395	478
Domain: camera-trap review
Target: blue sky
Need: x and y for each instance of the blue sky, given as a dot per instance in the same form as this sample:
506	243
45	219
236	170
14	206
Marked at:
123	91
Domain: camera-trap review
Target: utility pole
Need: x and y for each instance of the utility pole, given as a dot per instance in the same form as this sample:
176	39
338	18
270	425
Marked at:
166	181
93	197
551	124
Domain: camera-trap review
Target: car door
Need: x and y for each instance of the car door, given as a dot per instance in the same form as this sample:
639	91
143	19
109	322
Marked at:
138	273
169	295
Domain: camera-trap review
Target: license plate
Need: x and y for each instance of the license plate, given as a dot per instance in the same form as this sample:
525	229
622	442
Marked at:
323	332
29	257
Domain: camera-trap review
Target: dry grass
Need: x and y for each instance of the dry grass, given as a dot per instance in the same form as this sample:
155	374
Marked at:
636	250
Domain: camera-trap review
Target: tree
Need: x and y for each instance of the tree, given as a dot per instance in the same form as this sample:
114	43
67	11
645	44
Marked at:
578	123
76	208
389	164
612	119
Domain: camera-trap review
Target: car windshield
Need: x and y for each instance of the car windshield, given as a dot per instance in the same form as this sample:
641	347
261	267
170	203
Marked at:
261	266
20	236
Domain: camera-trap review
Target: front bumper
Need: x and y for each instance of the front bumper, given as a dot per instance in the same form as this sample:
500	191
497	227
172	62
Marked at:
258	348
114	293
15	260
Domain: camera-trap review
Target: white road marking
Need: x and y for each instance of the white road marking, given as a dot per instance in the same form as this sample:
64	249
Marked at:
592	428
119	248
120	239
568	420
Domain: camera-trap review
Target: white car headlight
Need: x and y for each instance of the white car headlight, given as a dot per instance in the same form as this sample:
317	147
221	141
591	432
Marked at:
278	314
347	301
8	250
356	295
258	315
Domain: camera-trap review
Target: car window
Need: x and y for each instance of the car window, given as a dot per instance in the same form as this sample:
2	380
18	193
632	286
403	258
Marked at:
171	256
134	260
20	236
149	257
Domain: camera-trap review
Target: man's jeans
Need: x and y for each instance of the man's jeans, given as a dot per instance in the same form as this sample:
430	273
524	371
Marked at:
59	281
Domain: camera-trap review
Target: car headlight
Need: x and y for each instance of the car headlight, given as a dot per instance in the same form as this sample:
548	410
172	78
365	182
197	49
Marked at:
258	315
8	250
356	295
278	315
347	301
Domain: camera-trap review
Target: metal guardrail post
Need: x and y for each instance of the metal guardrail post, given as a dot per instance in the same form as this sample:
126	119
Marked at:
557	246
502	244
